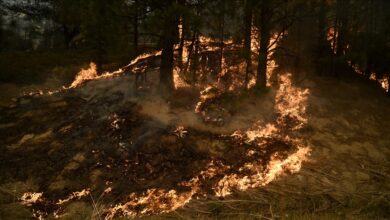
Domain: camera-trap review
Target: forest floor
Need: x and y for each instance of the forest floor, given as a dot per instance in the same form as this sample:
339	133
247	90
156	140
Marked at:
101	150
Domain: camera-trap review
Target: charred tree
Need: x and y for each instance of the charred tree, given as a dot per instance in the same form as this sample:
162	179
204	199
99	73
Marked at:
265	36
182	23
342	26
369	37
181	44
324	51
195	59
135	27
248	17
169	37
222	35
69	34
1	31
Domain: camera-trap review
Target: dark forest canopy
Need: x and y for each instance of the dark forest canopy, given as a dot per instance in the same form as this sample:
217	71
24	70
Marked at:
332	36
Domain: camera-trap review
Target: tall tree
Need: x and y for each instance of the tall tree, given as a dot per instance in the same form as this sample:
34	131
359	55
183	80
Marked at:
342	17
265	36
1	26
248	17
169	37
135	26
221	33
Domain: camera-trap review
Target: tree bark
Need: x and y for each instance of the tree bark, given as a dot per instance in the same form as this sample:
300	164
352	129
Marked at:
323	47
222	33
169	38
1	32
195	59
135	26
261	80
248	16
342	26
69	34
181	44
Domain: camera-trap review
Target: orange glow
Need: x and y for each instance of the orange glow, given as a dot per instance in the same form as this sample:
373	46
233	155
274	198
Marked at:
153	201
178	81
276	167
85	74
30	198
75	195
91	74
332	34
385	83
290	102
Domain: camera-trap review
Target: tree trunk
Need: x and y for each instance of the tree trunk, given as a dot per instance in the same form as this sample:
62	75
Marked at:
195	59
69	34
169	38
135	26
181	44
182	21
99	57
190	51
261	80
1	32
323	47
369	38
342	18
248	16
222	33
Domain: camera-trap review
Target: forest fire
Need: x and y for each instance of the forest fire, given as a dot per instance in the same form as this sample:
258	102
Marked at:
275	168
153	201
75	195
91	73
272	153
290	103
224	109
30	198
265	150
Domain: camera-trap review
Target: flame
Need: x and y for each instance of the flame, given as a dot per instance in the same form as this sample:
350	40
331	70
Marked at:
30	198
271	64
208	42
178	81
153	201
85	74
331	36
266	131
385	83
373	76
356	68
276	168
255	41
144	56
91	74
221	178
290	102
75	195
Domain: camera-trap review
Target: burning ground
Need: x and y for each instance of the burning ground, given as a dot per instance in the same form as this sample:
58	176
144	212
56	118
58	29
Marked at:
104	149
